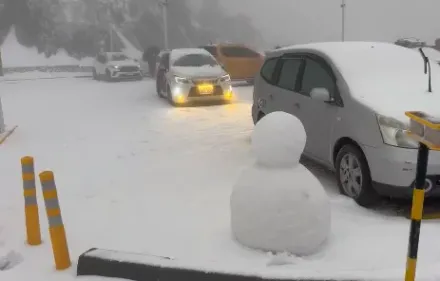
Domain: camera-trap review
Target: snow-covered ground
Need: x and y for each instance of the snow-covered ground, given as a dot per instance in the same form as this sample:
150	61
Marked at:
135	174
34	75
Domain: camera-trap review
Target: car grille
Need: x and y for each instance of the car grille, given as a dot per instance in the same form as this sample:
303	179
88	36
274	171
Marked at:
204	81
128	69
194	92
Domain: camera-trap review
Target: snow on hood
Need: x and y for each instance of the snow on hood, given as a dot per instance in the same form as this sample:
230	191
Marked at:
200	71
389	79
123	63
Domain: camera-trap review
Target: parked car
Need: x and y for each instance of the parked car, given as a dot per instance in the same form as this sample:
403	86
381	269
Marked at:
240	61
115	66
351	98
190	75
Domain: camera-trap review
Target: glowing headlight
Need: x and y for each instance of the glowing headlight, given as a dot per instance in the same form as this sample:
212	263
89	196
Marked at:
394	132
114	66
181	80
225	78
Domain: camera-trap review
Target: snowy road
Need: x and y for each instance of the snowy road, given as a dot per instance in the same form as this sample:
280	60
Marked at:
135	174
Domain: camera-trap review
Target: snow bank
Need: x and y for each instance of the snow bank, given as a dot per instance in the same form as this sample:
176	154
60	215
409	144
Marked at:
277	204
34	75
16	55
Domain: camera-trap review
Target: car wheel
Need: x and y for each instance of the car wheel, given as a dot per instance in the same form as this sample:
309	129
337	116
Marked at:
95	74
353	176
260	116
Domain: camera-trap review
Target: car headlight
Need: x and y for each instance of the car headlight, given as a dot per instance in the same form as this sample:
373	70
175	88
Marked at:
394	132
114	66
181	80
225	78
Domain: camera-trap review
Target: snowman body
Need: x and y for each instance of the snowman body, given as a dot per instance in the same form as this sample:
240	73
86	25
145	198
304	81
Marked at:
277	204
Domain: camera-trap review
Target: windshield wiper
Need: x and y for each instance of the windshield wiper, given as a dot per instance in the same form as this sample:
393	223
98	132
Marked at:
427	64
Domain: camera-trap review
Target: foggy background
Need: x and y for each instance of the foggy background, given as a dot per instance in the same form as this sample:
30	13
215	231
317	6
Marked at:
298	21
81	27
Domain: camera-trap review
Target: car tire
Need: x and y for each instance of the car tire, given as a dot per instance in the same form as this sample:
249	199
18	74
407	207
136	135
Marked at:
259	117
352	168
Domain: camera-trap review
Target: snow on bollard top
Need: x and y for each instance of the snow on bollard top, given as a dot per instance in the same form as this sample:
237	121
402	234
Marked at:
278	140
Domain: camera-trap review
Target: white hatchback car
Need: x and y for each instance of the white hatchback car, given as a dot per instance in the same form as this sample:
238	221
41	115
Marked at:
351	98
116	66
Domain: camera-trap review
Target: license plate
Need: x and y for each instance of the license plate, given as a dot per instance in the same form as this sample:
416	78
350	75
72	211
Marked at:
205	89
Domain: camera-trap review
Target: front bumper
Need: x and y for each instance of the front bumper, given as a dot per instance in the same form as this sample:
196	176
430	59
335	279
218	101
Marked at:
116	74
393	170
187	93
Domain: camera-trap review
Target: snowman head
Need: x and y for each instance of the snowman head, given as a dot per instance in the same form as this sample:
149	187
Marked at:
278	140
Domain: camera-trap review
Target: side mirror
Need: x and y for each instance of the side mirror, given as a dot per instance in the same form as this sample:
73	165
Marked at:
321	94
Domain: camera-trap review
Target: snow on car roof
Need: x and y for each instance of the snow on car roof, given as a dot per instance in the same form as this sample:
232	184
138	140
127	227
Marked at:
178	53
380	74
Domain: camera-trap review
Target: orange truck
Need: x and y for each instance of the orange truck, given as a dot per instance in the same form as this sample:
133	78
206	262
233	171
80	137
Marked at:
240	61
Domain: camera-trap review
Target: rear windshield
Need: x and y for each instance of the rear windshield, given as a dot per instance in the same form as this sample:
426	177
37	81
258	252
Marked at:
238	52
195	60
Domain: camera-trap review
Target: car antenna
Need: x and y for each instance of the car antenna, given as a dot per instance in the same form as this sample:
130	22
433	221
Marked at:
427	64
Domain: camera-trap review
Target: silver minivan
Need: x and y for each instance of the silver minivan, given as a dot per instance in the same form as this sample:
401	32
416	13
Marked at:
351	98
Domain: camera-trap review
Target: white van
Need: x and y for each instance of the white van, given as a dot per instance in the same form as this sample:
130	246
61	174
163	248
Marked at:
352	98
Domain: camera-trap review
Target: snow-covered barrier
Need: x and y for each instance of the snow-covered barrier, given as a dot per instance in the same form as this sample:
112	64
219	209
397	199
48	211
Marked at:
59	68
141	267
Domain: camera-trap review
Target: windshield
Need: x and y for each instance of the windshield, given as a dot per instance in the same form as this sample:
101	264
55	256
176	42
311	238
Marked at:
118	57
195	60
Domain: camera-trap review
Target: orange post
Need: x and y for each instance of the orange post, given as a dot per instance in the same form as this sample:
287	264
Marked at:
32	219
56	226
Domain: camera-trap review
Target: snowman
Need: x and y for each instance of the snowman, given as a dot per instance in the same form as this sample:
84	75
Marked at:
277	204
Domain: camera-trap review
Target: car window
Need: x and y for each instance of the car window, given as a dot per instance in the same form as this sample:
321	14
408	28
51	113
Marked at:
211	49
316	76
195	60
238	52
289	73
268	70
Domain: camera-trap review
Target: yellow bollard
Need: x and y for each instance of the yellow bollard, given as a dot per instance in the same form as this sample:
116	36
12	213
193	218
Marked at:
56	227
32	219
